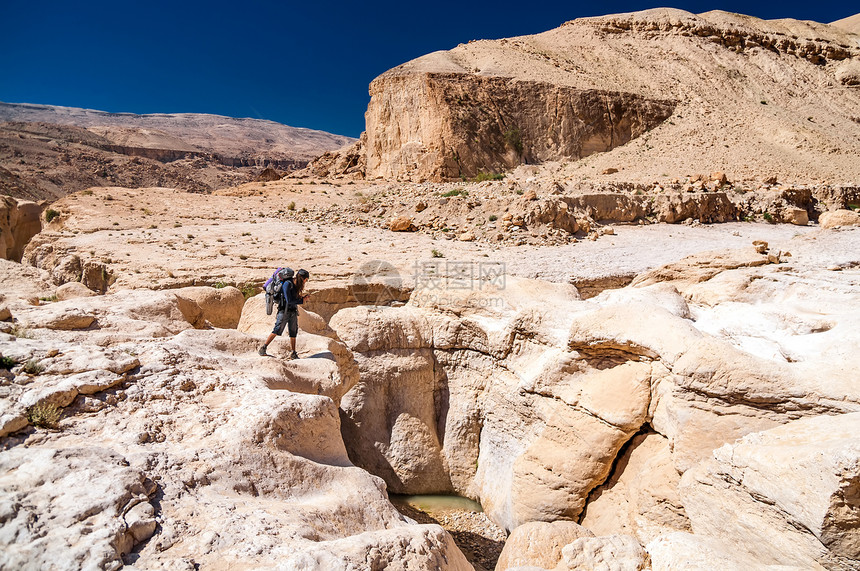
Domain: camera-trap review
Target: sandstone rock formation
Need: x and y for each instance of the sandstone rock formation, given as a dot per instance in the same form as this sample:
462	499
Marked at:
832	219
539	544
437	121
180	447
19	222
791	490
595	84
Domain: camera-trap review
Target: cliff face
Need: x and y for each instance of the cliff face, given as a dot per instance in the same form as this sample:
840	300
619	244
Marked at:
748	97
19	221
451	125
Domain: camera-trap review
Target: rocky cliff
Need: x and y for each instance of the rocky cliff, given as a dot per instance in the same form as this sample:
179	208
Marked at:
456	125
714	91
19	222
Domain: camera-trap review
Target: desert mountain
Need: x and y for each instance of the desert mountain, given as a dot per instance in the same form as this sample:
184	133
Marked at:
664	92
850	24
48	152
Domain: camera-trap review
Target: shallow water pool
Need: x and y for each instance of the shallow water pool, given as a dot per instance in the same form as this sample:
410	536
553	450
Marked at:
437	502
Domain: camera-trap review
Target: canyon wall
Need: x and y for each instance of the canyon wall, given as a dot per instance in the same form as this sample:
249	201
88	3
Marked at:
20	220
443	126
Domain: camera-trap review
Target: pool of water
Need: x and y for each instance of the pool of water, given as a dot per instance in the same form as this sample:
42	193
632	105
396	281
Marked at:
437	502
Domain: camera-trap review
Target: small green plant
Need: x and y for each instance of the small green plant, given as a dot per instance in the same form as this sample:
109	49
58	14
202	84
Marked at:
514	139
852	206
768	216
44	415
50	214
87	192
7	362
436	253
455	192
219	285
18	331
493	218
48	298
33	367
482	176
291	206
248	290
519	191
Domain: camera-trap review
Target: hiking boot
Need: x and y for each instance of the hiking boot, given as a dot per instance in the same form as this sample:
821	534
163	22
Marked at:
262	351
294	355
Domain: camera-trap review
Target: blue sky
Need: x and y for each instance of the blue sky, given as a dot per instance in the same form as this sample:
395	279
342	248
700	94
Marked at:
304	64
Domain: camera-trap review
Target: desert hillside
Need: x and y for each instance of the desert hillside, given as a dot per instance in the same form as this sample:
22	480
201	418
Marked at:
47	152
667	93
850	24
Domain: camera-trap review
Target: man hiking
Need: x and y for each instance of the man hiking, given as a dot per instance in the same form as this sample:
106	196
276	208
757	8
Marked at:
288	310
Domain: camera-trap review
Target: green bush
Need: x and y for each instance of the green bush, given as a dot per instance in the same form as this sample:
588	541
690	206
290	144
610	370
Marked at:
248	290
291	206
768	216
33	367
514	139
7	363
50	214
493	218
44	415
436	253
482	176
455	192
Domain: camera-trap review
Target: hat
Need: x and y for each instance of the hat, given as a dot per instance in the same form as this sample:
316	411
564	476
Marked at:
304	273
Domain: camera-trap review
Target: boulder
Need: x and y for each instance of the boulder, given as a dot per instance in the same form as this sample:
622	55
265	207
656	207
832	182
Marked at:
222	307
835	218
402	224
796	216
539	544
73	290
57	317
791	490
612	553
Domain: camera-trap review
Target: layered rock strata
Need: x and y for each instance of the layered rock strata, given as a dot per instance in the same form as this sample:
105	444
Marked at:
441	126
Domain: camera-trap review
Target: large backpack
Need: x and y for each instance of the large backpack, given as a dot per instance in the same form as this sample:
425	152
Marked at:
274	288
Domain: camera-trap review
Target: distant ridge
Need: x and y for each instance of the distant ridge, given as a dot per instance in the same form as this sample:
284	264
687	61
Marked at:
218	134
849	24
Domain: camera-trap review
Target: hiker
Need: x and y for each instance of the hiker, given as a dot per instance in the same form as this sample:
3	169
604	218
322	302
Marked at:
288	311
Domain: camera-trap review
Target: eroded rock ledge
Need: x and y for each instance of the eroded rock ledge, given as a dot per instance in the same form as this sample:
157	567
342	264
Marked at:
441	126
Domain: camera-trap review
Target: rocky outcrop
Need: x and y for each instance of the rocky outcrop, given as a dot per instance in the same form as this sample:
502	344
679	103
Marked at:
835	218
179	447
792	492
442	126
539	544
19	222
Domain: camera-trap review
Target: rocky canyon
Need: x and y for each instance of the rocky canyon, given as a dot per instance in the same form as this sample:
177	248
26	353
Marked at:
602	281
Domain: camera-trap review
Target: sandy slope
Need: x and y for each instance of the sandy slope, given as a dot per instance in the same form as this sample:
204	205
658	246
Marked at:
754	98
